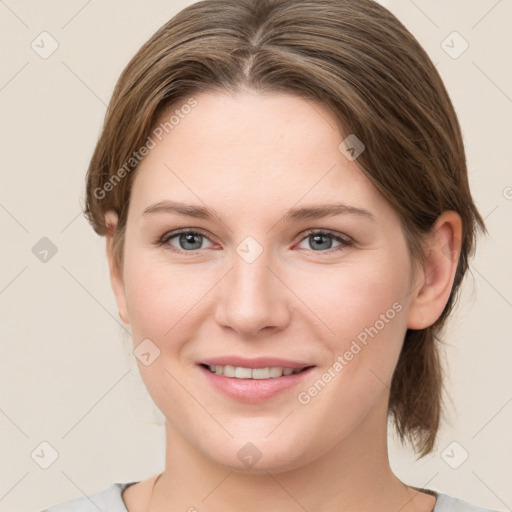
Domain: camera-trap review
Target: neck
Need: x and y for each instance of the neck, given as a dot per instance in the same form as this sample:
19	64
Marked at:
354	475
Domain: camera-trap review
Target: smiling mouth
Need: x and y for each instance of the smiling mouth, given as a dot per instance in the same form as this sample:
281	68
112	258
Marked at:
240	372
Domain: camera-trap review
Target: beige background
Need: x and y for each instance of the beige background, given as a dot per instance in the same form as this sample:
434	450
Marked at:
67	377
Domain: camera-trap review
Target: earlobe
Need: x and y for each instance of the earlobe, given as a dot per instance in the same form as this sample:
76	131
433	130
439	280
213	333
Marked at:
435	278
116	275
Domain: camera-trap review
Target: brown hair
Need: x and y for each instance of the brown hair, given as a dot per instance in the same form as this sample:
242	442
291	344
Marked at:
352	56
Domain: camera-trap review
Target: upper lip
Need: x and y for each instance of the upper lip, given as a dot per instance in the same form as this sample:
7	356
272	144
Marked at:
256	362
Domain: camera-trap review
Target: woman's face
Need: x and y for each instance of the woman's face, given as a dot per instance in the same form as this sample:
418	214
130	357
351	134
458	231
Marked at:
255	281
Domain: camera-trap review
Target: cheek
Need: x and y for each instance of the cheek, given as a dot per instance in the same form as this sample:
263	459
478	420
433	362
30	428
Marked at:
339	302
345	298
163	298
155	299
350	298
364	308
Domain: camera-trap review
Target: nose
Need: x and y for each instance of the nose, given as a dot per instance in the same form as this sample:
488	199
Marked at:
252	298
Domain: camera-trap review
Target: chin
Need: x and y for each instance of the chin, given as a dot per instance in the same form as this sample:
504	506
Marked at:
259	456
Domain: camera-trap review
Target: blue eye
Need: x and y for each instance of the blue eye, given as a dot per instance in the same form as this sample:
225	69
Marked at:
317	241
187	240
190	241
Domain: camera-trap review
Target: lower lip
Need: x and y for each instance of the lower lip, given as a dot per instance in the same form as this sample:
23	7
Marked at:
254	390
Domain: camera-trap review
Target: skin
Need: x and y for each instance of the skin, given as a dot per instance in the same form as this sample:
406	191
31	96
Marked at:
251	157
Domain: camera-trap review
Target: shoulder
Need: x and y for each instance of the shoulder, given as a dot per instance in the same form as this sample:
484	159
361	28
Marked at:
108	499
445	503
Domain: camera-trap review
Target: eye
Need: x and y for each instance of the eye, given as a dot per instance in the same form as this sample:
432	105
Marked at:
187	240
322	241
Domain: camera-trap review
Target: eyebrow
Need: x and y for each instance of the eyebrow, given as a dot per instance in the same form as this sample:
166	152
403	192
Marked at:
293	214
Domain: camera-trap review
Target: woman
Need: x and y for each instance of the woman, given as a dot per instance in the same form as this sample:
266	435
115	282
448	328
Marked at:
283	191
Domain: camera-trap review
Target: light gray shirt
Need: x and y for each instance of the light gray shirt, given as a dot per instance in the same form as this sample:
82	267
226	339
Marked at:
110	500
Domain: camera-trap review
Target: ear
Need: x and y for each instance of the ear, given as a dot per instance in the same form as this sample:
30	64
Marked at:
116	274
434	280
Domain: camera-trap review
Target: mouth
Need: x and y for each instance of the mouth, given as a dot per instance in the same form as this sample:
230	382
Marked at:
253	385
241	372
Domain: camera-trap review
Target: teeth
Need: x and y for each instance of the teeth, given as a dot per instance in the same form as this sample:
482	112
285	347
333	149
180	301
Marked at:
240	372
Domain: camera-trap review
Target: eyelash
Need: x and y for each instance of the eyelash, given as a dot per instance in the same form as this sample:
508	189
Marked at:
163	241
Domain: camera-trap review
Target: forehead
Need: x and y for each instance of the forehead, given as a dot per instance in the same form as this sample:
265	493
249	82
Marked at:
234	152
